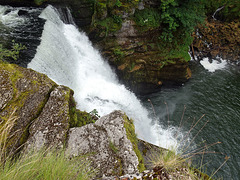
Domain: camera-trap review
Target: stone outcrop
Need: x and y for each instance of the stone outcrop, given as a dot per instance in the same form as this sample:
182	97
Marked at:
43	111
217	38
23	95
45	116
107	144
51	126
133	46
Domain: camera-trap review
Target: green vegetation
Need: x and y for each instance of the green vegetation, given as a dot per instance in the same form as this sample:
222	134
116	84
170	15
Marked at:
39	2
12	53
80	118
229	9
46	165
130	130
113	147
147	18
181	17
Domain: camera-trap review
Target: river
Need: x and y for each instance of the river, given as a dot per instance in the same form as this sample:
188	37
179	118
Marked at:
214	93
68	57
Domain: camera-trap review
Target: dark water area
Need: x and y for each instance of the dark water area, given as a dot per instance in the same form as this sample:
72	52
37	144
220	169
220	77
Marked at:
22	25
215	95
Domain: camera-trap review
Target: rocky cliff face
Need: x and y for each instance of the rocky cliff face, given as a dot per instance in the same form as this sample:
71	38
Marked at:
217	38
128	36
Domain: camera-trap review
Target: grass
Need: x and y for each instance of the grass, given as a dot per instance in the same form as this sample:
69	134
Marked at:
6	127
46	164
179	160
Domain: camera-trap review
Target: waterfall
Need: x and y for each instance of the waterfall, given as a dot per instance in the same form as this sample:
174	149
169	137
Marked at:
68	57
219	9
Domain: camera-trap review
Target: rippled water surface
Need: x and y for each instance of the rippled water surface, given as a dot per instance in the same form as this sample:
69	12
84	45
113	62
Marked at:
215	94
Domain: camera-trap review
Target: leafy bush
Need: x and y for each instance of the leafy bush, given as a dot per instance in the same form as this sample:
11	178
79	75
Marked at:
12	53
148	18
180	16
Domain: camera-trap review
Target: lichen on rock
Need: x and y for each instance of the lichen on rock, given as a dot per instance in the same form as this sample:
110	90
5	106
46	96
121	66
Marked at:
51	126
24	92
106	143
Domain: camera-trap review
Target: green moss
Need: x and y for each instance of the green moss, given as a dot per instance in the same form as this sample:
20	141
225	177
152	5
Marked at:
113	147
39	2
118	168
79	118
147	19
130	130
18	101
109	24
119	53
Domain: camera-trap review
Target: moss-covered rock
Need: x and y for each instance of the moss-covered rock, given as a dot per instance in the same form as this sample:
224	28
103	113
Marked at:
24	93
52	124
110	143
43	111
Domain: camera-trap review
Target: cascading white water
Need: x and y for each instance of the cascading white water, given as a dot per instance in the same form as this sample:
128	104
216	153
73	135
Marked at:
214	64
11	19
68	57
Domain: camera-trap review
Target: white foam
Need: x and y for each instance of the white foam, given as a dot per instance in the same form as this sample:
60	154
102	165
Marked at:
214	65
68	57
11	19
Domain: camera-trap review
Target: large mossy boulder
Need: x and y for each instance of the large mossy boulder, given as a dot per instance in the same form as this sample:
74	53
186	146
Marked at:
110	143
42	111
24	94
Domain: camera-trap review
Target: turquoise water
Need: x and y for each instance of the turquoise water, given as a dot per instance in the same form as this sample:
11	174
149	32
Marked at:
215	95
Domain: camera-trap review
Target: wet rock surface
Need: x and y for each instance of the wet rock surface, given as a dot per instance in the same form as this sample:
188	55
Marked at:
135	50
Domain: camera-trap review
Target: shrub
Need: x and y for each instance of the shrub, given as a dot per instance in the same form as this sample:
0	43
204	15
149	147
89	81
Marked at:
12	53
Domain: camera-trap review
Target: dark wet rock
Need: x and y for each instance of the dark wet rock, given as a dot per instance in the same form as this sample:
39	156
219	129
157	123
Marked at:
22	12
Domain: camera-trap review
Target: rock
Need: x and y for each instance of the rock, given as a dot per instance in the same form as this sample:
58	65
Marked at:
217	39
23	94
127	41
51	126
107	144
